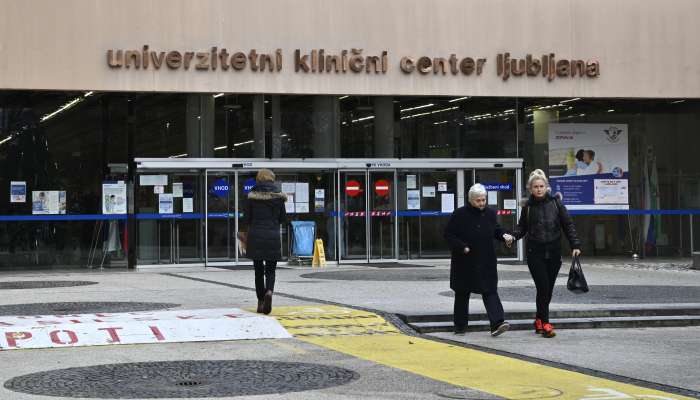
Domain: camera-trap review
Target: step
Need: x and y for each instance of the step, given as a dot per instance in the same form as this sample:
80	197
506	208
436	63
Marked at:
570	323
592	313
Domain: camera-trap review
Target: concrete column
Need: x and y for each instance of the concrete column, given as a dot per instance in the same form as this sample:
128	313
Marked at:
276	127
326	129
259	126
200	125
384	127
542	119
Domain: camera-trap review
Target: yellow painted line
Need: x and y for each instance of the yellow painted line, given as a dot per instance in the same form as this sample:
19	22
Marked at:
368	336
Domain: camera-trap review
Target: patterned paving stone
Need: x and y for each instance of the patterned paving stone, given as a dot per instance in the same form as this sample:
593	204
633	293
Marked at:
182	379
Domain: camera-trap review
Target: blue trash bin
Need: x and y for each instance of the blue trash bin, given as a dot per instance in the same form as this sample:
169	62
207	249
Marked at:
303	236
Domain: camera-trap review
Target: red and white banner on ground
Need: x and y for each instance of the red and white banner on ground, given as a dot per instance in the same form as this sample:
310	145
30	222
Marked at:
32	332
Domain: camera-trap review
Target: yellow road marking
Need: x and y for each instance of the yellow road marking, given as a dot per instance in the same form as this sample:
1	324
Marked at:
368	336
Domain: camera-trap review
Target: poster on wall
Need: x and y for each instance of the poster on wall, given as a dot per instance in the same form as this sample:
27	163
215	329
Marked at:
48	202
18	192
589	165
114	198
413	199
165	203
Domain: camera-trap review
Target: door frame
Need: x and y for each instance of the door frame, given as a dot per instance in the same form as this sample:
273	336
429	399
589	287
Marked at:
204	165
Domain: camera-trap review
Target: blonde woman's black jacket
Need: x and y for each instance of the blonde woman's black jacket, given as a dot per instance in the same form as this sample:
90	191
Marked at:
544	220
264	214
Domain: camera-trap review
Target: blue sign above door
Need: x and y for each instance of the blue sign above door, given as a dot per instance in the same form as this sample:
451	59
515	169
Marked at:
248	185
220	187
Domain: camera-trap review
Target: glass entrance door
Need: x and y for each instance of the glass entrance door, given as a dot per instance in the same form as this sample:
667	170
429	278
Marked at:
502	197
367	215
169	218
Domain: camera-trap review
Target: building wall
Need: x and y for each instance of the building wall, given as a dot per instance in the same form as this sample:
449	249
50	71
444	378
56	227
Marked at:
645	48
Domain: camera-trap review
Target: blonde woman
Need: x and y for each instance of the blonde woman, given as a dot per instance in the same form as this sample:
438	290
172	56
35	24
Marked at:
543	219
264	214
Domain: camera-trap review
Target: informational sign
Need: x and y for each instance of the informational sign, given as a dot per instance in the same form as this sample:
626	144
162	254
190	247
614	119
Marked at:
588	165
353	188
32	332
289	188
158	189
510	204
48	202
18	192
289	204
498	187
428	191
177	189
492	198
302	192
319	200
220	188
114	198
301	208
413	199
153	180
381	187
187	204
248	185
447	203
165	203
442	186
411	182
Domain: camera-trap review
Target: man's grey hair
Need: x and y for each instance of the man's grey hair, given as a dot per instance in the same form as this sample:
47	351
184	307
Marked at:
476	190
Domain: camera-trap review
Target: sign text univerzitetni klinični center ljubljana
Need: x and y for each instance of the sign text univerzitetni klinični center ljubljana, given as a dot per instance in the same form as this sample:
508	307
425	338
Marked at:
355	61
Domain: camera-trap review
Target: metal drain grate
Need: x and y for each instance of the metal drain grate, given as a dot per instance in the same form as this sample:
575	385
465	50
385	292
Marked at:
181	379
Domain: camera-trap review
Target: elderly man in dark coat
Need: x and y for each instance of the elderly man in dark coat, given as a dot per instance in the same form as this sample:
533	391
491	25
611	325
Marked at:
470	235
264	214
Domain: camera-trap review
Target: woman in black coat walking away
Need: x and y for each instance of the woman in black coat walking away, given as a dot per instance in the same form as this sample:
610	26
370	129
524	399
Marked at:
470	235
264	214
542	219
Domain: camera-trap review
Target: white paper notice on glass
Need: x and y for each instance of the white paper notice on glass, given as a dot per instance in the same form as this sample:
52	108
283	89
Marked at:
187	204
493	198
510	204
153	180
428	191
289	204
302	192
18	191
114	198
165	203
410	182
301	208
48	202
413	199
442	186
177	189
158	189
447	204
320	194
289	187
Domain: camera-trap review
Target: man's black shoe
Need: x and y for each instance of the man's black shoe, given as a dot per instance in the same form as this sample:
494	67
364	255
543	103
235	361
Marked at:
460	330
500	328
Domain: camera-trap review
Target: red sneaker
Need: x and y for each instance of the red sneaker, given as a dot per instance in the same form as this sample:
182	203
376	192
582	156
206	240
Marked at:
538	326
548	330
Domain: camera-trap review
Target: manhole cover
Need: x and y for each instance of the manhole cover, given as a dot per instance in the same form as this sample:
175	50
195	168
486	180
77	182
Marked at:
81	308
517	392
604	294
182	379
402	275
42	284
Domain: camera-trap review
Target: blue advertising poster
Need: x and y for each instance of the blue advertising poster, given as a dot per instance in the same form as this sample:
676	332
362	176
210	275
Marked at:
588	165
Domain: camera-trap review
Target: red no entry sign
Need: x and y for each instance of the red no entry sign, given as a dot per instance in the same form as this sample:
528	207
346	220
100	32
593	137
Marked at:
381	187
353	188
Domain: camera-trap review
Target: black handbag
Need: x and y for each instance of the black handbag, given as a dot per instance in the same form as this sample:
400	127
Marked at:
577	282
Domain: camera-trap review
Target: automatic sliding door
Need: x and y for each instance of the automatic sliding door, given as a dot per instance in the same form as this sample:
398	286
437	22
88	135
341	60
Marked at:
220	217
353	215
501	187
382	215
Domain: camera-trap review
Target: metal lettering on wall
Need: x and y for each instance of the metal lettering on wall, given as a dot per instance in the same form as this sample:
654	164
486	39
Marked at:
321	61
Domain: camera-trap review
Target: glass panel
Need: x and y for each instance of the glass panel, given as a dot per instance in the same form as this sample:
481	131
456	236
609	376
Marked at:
353	220
500	200
382	215
234	128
